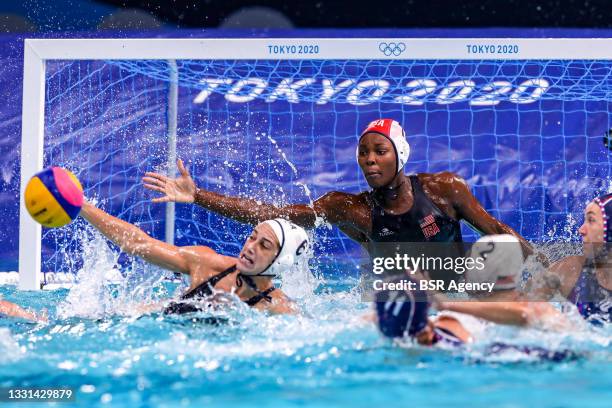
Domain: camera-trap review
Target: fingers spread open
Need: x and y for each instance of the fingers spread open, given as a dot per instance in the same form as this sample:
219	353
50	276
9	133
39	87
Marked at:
154	181
157	176
182	168
153	187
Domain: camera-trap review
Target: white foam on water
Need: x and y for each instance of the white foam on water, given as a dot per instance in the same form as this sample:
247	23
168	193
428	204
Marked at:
299	282
266	336
10	350
87	298
101	289
323	318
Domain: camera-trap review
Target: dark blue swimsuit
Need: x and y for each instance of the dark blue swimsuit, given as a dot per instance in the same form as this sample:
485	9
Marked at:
424	224
591	299
205	290
445	337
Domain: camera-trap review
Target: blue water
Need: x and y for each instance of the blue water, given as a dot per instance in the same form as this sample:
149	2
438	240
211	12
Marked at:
329	356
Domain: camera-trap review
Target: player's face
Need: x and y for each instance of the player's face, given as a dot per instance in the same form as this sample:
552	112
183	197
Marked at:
592	231
258	251
376	157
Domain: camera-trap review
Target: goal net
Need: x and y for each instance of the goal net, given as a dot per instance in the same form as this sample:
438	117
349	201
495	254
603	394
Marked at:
526	134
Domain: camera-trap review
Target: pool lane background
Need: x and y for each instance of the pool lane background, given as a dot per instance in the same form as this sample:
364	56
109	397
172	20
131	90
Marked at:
546	158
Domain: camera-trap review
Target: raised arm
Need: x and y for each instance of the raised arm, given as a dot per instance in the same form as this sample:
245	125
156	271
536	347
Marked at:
469	209
250	211
135	241
183	190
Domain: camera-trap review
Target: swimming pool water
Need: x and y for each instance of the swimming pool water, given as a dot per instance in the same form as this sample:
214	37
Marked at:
330	356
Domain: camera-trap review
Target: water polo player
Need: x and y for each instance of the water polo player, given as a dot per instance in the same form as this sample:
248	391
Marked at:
503	261
586	280
400	208
404	315
273	247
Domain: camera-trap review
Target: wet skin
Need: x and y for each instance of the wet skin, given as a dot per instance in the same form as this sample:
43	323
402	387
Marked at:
200	262
259	250
351	213
593	239
592	231
426	336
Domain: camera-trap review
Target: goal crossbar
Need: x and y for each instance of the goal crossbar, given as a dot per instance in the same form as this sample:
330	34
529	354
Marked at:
38	51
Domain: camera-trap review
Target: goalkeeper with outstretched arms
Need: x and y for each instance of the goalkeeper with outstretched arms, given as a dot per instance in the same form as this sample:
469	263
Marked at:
400	208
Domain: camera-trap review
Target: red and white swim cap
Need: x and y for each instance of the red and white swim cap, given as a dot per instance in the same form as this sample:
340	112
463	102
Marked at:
392	130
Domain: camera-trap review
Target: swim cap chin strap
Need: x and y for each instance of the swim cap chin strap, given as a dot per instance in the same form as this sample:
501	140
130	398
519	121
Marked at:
392	130
293	241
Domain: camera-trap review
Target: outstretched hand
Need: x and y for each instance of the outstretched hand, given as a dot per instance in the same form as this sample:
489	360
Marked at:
181	189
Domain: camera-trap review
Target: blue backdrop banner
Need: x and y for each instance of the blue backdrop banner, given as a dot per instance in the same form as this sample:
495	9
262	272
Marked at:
528	136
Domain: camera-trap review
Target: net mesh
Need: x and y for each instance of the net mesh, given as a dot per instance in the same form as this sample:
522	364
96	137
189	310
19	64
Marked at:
526	135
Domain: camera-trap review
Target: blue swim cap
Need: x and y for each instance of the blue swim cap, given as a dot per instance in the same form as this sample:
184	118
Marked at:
605	203
401	313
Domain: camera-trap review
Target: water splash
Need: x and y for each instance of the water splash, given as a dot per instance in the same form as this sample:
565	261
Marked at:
102	289
283	155
10	351
299	282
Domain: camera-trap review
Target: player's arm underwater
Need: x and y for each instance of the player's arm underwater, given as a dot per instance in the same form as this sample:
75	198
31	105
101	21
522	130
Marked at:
332	206
135	241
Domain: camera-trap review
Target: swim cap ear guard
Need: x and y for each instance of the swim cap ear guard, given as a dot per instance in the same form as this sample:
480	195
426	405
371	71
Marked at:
392	130
293	241
502	258
605	204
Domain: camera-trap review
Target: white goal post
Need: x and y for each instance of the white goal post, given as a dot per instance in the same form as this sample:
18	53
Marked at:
38	51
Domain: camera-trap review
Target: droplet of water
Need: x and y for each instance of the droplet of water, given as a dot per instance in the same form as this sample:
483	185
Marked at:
88	388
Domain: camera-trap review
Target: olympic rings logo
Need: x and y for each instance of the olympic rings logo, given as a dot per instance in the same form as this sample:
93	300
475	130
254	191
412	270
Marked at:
392	48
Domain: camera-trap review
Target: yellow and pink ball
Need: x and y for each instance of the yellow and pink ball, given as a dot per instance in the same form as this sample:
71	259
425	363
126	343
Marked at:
54	197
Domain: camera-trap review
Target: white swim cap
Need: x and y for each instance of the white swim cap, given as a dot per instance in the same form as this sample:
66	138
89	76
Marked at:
293	241
392	130
502	257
